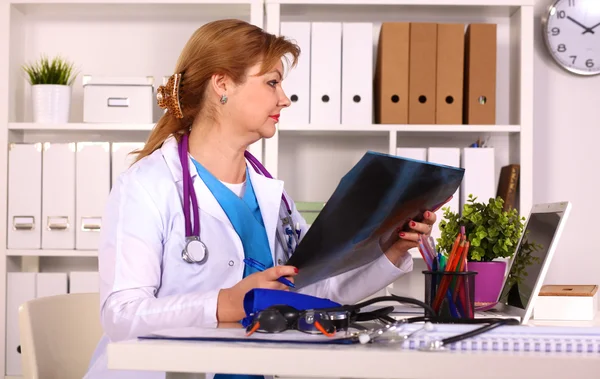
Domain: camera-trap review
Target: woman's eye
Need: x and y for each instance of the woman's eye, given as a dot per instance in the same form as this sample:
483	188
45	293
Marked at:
273	83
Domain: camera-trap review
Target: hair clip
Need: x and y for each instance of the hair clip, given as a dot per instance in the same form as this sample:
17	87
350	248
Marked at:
167	96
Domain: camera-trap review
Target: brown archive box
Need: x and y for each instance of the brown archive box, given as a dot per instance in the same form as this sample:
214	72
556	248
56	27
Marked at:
480	74
391	74
422	73
450	73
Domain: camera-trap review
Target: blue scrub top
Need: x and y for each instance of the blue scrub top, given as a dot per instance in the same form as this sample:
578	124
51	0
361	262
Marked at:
245	216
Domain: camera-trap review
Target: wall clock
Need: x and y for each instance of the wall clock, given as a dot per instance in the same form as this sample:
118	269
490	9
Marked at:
571	30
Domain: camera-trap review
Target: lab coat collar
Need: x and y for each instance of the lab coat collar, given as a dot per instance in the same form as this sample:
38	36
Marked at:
268	191
268	195
206	200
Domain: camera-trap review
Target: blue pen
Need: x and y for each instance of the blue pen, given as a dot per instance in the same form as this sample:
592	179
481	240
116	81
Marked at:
260	267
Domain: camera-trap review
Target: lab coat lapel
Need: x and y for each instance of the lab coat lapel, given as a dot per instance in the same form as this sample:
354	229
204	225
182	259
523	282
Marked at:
206	200
268	195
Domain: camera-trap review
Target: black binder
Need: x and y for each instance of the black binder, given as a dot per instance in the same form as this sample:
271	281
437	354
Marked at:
372	203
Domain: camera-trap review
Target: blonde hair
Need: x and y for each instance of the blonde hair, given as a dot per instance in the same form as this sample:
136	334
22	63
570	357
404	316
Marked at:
228	47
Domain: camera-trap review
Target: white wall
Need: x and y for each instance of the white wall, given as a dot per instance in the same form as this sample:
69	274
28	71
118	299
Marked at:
566	160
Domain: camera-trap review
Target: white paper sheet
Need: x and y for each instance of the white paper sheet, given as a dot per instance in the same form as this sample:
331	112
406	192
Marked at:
234	333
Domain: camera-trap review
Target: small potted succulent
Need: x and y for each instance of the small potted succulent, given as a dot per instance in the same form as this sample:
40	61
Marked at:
494	234
51	81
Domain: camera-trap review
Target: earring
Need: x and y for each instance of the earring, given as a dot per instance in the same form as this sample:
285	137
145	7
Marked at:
223	99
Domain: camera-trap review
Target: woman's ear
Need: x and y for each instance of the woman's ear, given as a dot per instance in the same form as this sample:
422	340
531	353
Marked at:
219	84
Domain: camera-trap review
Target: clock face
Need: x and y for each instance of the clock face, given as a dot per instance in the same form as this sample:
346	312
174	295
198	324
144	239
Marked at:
572	33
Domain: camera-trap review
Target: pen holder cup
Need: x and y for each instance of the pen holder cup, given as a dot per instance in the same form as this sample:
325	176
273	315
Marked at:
450	294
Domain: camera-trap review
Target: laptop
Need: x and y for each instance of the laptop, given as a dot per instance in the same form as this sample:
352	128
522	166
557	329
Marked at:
544	227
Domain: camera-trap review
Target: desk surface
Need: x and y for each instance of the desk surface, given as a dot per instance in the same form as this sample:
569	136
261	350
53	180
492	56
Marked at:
357	361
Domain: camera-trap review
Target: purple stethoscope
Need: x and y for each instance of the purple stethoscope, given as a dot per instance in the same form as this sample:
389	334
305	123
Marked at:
195	251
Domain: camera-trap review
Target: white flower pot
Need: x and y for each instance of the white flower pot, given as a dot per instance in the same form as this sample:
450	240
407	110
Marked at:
51	103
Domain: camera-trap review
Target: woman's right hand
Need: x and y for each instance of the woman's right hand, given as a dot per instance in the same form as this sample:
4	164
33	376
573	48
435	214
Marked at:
230	303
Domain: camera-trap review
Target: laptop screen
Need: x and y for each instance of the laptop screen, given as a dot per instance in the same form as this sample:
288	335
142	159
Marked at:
527	264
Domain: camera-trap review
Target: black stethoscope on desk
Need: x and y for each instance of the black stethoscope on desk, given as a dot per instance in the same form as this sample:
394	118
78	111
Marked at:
195	251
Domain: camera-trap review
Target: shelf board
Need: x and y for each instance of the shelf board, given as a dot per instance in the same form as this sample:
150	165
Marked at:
415	254
77	127
51	253
94	253
142	2
386	128
310	128
475	3
151	10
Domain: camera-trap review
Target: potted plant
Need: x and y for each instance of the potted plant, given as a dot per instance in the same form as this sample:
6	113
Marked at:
51	82
494	234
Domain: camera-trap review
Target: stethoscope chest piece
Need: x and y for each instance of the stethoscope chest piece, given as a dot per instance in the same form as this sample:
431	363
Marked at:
195	251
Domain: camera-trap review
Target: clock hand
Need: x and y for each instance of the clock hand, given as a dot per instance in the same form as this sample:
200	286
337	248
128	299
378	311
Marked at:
587	30
594	27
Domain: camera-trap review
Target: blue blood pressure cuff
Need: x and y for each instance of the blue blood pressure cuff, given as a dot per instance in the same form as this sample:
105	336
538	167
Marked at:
259	299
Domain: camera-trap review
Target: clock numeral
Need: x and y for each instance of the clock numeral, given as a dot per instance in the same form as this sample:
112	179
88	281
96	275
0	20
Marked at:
555	31
589	63
562	48
574	57
561	14
571	3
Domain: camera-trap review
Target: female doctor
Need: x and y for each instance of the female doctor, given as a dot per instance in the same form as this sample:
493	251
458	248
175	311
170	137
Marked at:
159	267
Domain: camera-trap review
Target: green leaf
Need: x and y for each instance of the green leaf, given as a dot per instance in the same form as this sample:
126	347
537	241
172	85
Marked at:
55	71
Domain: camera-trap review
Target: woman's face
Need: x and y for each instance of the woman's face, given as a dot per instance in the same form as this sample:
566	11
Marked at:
254	106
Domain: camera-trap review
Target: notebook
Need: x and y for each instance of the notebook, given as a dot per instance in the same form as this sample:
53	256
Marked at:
519	338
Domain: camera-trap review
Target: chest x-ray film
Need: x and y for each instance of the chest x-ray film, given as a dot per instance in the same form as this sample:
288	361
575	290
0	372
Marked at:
372	203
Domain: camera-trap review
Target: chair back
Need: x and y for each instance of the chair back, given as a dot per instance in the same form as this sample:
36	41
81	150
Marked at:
59	335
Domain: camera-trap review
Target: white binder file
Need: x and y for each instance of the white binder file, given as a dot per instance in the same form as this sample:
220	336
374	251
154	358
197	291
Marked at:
448	156
20	288
24	196
357	73
51	284
325	73
296	83
121	158
418	153
479	178
92	188
58	196
84	281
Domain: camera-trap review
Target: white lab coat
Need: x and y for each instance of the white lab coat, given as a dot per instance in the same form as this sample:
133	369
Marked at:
144	283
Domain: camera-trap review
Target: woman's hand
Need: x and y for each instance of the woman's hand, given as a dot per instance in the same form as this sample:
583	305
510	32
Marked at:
409	239
230	303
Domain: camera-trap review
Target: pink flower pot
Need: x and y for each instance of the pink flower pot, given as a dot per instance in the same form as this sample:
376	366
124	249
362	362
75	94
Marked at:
488	282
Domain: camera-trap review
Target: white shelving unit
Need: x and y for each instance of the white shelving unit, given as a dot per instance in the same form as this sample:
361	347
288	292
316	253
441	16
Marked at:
145	37
102	37
295	154
311	159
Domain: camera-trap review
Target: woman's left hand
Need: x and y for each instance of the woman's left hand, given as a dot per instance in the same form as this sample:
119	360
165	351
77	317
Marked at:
409	239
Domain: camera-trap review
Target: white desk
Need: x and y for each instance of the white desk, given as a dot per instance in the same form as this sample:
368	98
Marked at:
356	361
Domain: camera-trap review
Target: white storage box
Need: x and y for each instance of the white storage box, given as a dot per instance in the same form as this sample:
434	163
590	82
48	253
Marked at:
569	303
118	99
